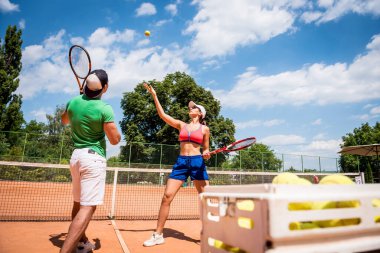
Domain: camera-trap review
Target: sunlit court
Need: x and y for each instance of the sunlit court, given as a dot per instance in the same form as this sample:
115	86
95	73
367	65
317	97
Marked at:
190	126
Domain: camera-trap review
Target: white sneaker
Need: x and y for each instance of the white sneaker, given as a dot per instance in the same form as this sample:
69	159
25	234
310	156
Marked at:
156	239
85	247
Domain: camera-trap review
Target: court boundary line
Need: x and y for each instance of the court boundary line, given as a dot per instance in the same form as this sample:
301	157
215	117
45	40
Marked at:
120	237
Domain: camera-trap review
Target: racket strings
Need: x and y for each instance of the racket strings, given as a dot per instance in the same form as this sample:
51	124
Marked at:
241	144
80	62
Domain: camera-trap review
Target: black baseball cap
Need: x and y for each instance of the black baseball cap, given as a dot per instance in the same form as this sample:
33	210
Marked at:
95	83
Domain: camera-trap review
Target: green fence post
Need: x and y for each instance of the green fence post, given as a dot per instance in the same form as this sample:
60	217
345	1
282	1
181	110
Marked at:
302	162
23	150
129	158
161	157
161	175
60	155
283	162
240	155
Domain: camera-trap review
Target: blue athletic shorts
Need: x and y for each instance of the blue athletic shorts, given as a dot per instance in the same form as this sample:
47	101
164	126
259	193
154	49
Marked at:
193	166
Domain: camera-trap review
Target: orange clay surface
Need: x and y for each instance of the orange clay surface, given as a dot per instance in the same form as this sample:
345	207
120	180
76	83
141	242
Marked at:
39	237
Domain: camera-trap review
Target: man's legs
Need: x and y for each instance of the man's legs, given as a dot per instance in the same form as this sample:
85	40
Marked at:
75	210
77	228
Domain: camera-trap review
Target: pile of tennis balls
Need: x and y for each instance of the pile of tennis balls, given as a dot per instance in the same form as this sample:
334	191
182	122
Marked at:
290	178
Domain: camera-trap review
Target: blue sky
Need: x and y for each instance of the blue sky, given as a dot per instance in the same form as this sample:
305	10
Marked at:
296	74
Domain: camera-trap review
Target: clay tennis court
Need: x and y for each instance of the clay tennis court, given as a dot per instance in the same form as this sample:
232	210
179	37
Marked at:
36	216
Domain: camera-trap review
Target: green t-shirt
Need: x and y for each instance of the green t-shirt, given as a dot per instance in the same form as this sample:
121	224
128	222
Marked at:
86	118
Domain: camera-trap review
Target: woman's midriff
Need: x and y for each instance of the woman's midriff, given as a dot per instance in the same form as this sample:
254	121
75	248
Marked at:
190	149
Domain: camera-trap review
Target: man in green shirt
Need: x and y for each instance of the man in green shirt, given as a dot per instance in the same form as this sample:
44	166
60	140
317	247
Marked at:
91	120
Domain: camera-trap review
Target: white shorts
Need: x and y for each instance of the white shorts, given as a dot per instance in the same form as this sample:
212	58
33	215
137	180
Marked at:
88	173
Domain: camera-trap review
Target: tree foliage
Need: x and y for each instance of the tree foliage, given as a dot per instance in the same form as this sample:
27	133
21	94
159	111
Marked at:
258	157
10	67
141	122
363	135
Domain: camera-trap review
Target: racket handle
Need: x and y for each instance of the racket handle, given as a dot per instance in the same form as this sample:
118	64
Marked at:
213	152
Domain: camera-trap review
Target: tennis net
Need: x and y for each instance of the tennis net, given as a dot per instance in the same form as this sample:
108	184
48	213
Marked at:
42	192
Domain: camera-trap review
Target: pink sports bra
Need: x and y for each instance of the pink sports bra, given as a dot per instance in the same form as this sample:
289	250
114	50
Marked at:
194	136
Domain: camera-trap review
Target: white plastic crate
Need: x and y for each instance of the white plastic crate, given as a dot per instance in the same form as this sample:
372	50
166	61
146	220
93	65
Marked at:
265	226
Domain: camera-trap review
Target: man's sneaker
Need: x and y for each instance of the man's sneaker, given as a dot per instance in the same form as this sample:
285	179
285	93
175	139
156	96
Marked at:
155	240
85	247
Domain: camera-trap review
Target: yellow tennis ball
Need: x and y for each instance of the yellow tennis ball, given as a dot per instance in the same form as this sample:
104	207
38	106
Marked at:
298	205
147	33
221	245
376	202
336	179
302	225
285	178
245	222
245	205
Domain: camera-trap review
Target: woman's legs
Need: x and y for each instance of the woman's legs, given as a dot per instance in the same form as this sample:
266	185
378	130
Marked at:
200	185
172	187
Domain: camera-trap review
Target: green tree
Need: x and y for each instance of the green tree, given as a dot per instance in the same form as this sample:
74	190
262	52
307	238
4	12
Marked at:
258	157
48	142
141	122
10	67
363	135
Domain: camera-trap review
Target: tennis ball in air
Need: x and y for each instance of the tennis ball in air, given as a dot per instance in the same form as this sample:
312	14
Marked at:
147	33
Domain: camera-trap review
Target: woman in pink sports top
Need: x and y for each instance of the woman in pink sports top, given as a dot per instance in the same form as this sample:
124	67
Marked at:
190	162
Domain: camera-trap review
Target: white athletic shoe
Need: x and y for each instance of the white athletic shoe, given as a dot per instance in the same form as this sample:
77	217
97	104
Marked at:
85	247
156	239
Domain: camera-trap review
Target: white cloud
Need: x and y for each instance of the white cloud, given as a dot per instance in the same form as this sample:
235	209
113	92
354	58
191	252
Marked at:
143	42
375	110
283	140
309	17
162	22
256	123
40	114
239	23
245	22
104	37
322	147
332	10
295	144
314	84
22	24
45	66
317	122
7	6
319	136
172	9
146	9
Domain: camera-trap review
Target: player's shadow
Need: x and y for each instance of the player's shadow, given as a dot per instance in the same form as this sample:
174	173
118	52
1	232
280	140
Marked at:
168	232
58	240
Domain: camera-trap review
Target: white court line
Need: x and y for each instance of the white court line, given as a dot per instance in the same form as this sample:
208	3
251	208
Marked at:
120	238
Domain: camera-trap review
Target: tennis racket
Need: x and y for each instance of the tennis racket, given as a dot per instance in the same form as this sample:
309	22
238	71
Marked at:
80	63
235	146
